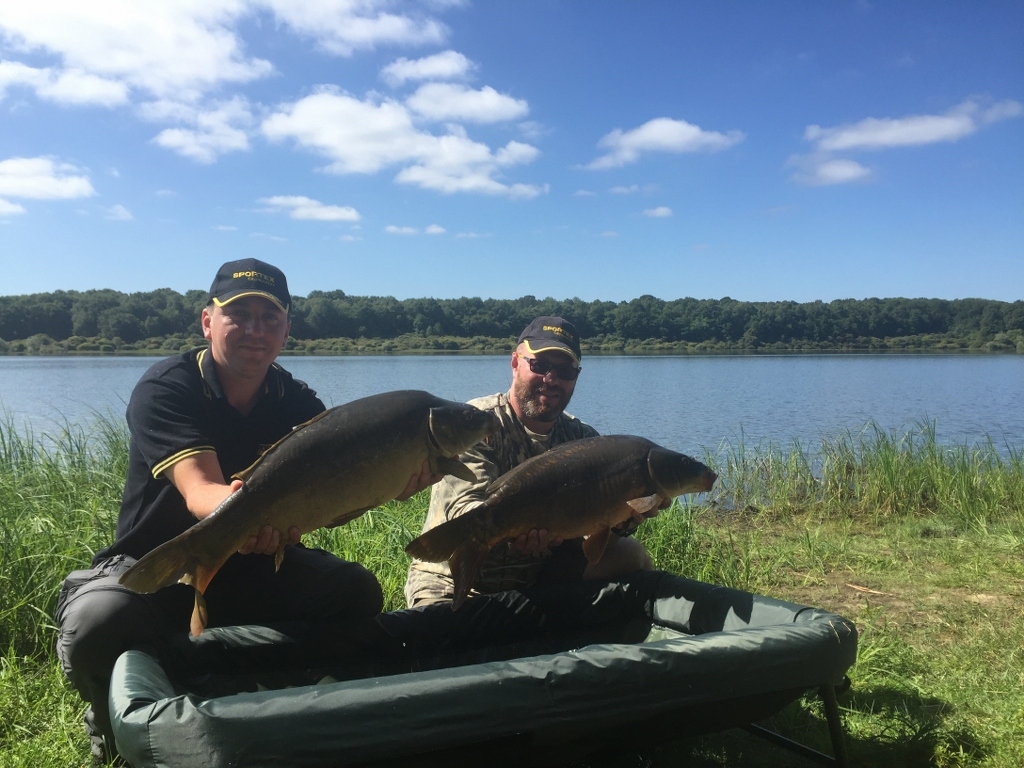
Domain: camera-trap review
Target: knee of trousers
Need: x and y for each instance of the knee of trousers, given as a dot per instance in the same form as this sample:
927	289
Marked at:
351	591
98	625
328	587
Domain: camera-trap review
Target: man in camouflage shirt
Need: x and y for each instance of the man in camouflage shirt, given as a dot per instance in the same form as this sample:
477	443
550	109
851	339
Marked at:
545	366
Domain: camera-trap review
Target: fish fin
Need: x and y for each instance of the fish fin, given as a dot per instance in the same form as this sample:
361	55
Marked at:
348	517
202	576
244	474
465	564
170	563
441	541
646	504
455	467
200	617
594	544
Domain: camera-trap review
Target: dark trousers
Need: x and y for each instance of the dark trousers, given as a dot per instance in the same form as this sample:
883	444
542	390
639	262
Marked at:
99	619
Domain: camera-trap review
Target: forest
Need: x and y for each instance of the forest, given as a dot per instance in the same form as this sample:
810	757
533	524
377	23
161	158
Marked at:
332	322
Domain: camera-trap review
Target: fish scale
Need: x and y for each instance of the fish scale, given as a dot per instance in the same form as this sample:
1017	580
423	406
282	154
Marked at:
579	488
326	472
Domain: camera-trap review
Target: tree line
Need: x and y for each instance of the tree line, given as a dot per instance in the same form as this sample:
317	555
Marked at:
81	320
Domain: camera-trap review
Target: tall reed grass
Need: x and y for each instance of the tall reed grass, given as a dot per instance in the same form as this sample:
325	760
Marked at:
59	496
876	474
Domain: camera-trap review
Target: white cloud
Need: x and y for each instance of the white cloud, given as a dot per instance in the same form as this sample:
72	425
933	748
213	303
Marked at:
584	193
158	48
349	238
166	193
393	230
168	57
306	208
873	133
41	178
183	50
661	212
450	101
470	235
820	167
662	134
435	229
622	190
67	87
913	130
342	27
225	228
10	209
531	129
447	65
839	172
359	136
367	136
609	234
118	213
216	131
1002	110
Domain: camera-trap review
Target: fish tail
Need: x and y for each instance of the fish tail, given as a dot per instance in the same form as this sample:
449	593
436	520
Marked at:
171	562
438	544
465	564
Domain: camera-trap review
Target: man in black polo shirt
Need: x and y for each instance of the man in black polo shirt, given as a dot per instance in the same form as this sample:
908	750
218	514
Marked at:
195	419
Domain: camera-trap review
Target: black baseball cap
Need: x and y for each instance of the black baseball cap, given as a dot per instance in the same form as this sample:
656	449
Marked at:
546	334
250	277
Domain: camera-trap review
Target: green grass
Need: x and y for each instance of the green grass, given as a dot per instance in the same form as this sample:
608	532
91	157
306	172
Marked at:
921	545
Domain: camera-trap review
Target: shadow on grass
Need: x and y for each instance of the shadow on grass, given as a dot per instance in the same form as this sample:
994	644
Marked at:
884	727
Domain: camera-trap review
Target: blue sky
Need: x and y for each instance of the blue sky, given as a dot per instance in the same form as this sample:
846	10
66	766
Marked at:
499	148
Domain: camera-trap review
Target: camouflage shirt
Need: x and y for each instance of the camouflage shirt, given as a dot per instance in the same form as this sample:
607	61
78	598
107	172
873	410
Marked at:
504	568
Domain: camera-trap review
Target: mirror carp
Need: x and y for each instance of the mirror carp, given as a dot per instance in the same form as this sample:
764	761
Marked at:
326	472
578	488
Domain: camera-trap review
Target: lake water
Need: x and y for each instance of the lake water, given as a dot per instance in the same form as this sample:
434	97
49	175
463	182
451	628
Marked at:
687	403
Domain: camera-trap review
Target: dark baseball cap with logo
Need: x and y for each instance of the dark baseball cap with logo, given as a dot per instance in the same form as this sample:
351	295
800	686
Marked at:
547	334
250	277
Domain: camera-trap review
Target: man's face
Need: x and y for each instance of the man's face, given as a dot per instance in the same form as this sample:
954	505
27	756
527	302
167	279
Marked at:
540	397
246	335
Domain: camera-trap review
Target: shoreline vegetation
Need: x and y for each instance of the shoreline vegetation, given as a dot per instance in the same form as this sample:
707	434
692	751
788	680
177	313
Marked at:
41	345
920	544
162	322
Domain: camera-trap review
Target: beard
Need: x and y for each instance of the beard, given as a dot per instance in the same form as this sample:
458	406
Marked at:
529	400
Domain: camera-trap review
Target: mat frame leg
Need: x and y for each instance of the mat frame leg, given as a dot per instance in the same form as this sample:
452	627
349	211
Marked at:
839	755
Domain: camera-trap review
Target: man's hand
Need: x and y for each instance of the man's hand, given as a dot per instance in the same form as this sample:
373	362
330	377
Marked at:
418	482
199	479
535	541
267	540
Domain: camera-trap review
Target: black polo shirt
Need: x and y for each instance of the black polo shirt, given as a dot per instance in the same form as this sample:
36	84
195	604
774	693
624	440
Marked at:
178	409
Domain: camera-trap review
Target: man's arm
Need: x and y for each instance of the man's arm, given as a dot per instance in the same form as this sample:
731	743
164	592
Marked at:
199	480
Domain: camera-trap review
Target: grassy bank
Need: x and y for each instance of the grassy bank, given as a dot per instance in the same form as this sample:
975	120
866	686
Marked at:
922	546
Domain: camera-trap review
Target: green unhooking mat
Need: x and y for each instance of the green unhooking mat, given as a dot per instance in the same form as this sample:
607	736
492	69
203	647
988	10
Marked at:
538	677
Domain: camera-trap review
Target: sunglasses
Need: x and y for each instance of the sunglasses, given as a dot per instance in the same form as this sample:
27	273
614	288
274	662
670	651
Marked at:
543	368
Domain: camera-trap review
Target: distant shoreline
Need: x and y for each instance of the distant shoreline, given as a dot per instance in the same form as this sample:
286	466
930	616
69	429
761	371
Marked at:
935	344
